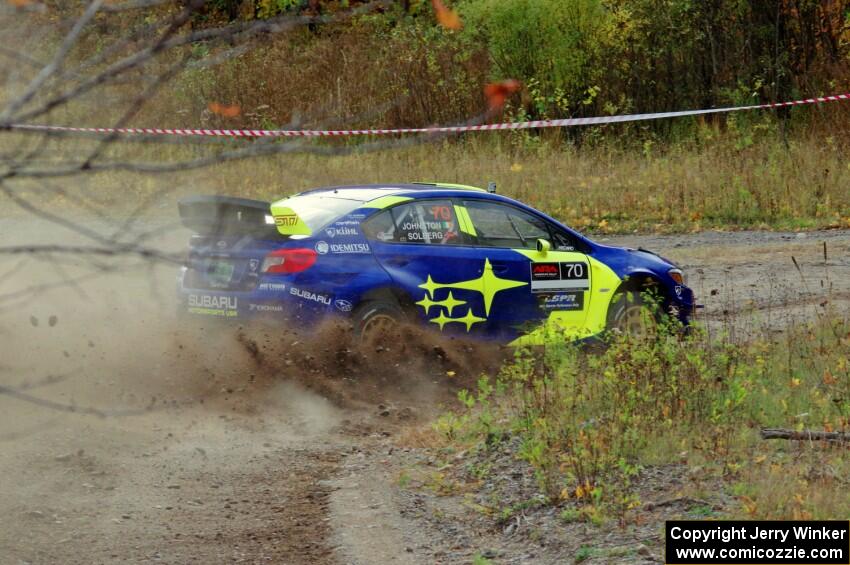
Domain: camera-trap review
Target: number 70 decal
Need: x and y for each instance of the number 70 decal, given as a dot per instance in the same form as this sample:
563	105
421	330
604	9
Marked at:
546	277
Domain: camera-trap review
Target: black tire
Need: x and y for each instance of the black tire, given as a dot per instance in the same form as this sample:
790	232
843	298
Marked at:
377	323
634	314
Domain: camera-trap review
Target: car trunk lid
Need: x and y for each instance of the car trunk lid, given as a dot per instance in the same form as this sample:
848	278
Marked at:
231	238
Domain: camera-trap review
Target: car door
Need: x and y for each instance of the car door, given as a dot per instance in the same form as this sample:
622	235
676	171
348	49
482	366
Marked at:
422	247
554	293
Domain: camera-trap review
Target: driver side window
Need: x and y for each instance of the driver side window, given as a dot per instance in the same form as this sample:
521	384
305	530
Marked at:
498	225
430	222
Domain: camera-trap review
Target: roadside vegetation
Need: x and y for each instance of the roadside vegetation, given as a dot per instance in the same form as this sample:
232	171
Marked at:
688	187
597	429
716	183
418	62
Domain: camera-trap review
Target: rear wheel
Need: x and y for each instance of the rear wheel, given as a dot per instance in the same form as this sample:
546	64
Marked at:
377	324
634	314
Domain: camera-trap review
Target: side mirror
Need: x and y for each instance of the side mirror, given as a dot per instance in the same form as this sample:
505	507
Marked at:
543	246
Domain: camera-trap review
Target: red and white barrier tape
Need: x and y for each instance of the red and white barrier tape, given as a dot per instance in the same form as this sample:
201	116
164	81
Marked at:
436	129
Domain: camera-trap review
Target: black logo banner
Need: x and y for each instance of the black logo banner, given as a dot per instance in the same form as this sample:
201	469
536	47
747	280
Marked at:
697	542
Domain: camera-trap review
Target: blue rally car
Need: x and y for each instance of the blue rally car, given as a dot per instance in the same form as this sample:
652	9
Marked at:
458	259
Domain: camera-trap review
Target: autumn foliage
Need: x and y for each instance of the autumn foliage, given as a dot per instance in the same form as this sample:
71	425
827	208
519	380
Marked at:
429	61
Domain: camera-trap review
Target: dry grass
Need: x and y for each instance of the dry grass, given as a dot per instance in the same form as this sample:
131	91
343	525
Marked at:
716	185
800	482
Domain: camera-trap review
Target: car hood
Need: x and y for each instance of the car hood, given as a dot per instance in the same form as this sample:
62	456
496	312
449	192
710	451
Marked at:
644	252
625	260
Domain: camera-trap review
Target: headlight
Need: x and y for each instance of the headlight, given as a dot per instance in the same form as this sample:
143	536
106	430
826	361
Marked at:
677	275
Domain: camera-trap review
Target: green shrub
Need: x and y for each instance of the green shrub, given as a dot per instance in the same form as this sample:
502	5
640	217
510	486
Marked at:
588	422
553	46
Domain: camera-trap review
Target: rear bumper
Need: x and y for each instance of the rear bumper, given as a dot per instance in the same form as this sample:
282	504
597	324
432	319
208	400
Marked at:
278	302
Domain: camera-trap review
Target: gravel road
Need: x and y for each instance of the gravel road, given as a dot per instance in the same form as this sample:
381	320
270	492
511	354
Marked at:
749	281
126	439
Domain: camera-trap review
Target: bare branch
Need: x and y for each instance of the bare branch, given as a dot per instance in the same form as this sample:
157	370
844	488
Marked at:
56	63
116	249
240	31
134	5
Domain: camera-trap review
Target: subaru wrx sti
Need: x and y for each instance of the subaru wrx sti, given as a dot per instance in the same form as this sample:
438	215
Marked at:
460	260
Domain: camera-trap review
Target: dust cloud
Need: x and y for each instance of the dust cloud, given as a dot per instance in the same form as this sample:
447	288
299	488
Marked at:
122	424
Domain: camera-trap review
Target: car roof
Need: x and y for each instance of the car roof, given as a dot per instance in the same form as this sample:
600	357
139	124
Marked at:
368	192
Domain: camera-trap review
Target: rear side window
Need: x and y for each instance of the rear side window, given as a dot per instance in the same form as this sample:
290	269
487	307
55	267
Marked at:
380	227
431	222
497	225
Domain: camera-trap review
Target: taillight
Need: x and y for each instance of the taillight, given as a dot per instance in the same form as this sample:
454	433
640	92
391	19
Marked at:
285	261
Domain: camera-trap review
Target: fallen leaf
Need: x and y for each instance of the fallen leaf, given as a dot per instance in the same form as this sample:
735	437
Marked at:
446	17
828	379
497	92
19	3
224	110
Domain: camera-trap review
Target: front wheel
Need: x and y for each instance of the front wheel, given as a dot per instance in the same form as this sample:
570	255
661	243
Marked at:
634	314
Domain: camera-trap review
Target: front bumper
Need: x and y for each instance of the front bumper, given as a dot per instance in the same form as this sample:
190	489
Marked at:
681	304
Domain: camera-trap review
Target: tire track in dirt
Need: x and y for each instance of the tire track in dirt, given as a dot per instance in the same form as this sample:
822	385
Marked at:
752	281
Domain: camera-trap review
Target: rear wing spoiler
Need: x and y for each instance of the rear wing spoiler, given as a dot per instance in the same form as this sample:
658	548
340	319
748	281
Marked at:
227	215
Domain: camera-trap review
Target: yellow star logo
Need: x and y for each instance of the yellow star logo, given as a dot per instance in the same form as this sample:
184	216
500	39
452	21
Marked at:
441	320
426	303
488	285
430	286
450	303
469	320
